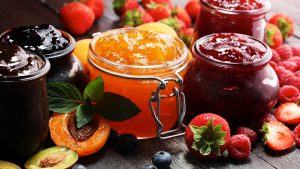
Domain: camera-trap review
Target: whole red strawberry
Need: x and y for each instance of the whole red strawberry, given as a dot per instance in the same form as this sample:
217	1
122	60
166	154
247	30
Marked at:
166	2
277	136
193	7
239	147
284	22
182	15
158	11
273	36
136	17
186	36
206	136
174	23
96	5
77	17
121	6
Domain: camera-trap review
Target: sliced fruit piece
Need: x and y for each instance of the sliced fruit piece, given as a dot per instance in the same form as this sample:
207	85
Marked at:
86	140
297	135
8	165
277	136
52	158
288	113
81	52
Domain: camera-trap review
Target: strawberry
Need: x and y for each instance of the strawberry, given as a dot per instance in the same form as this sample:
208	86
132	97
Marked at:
239	147
193	7
277	136
275	56
285	52
77	17
136	17
186	36
284	23
166	2
158	11
96	5
296	51
248	132
288	113
174	23
121	6
273	36
265	119
206	136
182	15
288	93
297	135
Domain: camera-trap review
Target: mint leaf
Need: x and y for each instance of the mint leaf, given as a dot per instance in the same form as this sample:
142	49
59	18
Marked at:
94	91
115	107
63	97
84	114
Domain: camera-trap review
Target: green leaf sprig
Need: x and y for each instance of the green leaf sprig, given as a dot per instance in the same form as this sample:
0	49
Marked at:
66	98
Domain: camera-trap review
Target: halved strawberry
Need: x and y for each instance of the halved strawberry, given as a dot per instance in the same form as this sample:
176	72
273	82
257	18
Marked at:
277	136
288	113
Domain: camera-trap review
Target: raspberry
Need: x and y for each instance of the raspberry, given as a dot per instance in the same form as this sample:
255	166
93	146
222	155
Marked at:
295	59
296	51
295	81
285	52
275	56
248	132
285	76
239	147
288	93
297	135
297	74
289	65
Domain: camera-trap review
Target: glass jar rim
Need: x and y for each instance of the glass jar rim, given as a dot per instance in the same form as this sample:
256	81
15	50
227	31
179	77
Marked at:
199	55
35	75
167	65
259	11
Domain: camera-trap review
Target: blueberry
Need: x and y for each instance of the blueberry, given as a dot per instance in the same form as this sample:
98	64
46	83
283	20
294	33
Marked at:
127	143
79	166
162	159
149	166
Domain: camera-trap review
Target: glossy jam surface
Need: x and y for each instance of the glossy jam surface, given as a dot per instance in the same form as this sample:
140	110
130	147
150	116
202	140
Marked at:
232	48
39	39
132	48
242	93
139	48
237	4
14	61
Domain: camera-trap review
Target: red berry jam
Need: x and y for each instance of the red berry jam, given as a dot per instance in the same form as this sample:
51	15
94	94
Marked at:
229	76
237	4
236	16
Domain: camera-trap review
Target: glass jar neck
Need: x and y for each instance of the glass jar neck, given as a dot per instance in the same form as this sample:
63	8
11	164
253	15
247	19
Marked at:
257	13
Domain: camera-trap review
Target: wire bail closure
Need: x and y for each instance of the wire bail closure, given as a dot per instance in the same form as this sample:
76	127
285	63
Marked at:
180	105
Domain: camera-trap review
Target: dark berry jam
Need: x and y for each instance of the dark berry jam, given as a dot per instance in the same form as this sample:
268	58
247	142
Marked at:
234	48
231	79
41	39
237	4
14	61
235	16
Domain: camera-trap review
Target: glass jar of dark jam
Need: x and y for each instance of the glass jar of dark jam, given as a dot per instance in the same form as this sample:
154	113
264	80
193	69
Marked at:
23	103
55	45
239	16
230	76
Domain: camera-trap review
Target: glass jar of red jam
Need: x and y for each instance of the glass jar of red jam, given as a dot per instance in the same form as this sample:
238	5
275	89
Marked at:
235	16
55	45
23	103
230	76
145	67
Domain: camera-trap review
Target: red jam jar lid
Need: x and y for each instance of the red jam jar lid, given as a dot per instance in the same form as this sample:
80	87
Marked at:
232	50
238	6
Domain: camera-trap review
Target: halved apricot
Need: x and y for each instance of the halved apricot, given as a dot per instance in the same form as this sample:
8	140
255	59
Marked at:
63	135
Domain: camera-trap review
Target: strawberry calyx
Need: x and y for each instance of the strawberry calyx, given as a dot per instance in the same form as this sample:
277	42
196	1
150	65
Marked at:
208	139
265	131
154	5
173	23
285	26
118	4
133	18
270	34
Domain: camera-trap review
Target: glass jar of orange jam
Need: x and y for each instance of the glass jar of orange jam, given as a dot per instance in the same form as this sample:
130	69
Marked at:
145	67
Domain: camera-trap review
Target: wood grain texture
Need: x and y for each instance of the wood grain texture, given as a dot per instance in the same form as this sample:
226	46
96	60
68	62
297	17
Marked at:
29	12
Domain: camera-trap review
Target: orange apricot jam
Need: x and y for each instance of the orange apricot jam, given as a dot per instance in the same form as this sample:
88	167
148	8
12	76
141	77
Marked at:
130	61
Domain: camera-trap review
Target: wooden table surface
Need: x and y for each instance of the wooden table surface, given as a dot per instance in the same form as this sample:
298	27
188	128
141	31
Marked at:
28	12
